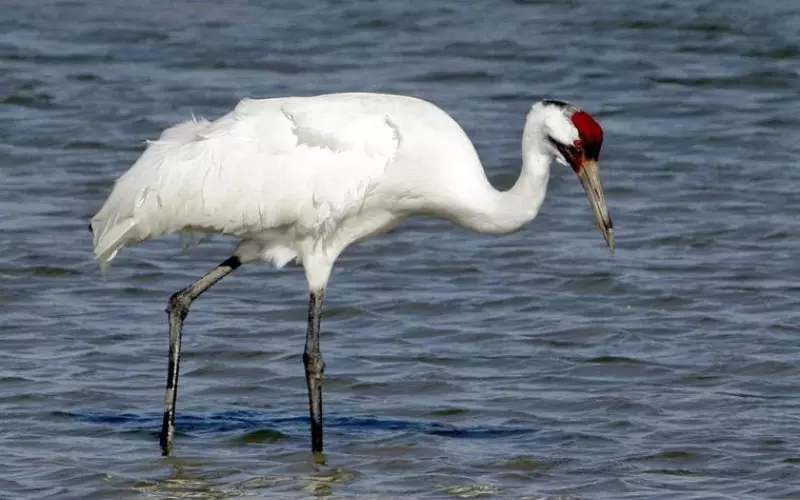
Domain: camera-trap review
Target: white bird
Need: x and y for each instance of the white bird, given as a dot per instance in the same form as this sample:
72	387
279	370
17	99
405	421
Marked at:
302	178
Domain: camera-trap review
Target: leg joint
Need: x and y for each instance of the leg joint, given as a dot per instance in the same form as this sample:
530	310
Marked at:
314	363
179	303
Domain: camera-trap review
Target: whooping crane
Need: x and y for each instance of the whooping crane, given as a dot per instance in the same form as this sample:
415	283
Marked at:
302	178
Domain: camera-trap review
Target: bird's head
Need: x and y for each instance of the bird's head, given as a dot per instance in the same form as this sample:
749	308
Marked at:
574	138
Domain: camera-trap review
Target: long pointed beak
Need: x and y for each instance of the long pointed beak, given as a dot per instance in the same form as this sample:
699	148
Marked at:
589	174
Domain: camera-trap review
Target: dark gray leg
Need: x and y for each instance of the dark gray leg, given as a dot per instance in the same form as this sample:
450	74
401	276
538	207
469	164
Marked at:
177	309
312	358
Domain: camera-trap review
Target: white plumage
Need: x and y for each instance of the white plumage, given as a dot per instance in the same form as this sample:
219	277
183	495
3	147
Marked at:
304	177
291	177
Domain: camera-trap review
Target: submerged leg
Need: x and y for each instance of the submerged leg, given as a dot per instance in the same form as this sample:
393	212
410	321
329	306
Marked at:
177	309
312	359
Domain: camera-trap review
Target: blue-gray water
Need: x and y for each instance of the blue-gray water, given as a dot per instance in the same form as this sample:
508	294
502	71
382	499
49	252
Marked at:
529	366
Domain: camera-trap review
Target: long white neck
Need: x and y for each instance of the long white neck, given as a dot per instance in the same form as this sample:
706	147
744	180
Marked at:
501	212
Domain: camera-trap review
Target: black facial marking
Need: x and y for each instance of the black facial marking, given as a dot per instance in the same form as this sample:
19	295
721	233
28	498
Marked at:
592	151
556	102
568	151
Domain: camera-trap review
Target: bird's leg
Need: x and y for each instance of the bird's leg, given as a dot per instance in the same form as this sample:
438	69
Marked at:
312	358
177	309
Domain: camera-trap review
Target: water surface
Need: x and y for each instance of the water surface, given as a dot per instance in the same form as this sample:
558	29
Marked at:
532	366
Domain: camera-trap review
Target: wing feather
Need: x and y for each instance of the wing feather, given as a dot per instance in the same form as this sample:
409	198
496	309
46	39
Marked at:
291	163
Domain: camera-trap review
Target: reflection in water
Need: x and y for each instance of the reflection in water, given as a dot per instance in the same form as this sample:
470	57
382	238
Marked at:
194	478
199	480
186	480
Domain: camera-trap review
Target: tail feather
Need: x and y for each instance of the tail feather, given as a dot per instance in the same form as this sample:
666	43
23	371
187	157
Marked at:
133	213
109	238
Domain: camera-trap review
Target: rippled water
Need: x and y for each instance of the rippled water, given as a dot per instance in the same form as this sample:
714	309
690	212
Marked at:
528	366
